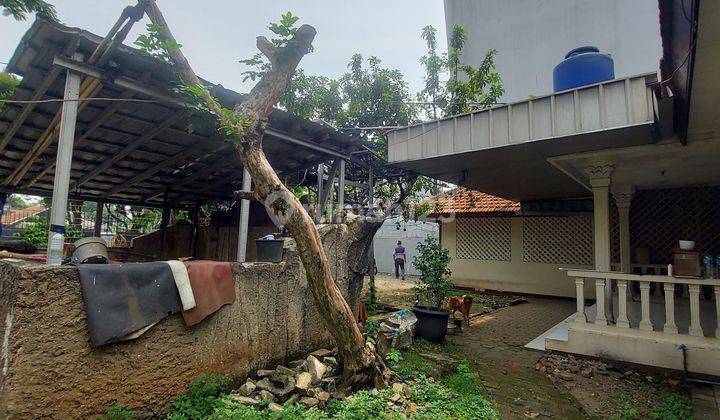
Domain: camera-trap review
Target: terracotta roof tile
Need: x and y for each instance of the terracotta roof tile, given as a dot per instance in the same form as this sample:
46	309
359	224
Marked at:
18	215
462	200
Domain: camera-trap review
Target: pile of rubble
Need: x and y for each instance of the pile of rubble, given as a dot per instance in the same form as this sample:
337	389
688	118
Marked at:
312	381
568	367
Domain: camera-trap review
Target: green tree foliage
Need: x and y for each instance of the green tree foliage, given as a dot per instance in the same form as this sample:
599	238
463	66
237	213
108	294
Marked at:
432	261
479	87
20	9
433	95
8	83
16	202
36	232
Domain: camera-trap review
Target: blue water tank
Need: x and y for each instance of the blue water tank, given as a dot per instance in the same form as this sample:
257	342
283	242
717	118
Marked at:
583	66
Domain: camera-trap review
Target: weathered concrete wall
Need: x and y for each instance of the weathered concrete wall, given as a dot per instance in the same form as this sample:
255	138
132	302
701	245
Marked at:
50	369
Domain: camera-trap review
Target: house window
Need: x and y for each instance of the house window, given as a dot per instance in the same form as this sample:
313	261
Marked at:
558	240
484	238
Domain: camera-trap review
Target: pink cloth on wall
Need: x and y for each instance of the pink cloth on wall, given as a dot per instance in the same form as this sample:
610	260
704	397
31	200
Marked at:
213	286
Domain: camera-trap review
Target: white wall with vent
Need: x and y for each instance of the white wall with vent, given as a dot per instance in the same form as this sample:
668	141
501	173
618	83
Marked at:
519	254
410	233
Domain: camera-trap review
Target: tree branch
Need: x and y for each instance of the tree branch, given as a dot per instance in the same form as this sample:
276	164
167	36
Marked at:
246	195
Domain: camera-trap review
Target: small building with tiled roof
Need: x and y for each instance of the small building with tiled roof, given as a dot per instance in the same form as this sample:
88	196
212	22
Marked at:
470	202
505	245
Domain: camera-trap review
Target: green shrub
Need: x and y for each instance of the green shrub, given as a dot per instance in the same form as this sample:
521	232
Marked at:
464	381
118	412
627	413
201	398
394	356
432	261
363	405
37	228
674	407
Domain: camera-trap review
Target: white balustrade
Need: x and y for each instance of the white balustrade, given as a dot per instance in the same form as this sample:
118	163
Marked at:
671	303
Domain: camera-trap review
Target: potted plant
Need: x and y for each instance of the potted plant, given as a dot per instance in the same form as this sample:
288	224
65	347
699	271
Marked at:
432	261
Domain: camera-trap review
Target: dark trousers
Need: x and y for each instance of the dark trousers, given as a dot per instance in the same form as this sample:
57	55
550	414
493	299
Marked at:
399	267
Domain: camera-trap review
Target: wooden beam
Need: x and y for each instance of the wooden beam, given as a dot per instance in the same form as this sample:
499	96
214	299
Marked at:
99	209
89	87
51	76
107	113
170	161
129	149
223	162
325	193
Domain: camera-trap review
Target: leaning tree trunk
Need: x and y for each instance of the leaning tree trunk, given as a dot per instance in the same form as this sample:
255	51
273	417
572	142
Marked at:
361	364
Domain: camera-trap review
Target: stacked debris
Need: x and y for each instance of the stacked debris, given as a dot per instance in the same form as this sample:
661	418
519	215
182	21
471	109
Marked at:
312	381
568	367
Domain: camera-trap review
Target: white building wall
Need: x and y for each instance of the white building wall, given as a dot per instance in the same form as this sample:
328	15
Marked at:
410	233
532	36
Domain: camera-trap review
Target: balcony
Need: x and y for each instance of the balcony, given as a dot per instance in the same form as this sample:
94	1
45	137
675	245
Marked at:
673	329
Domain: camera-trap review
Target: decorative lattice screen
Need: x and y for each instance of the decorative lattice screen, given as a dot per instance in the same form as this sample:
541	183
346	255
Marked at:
486	238
558	240
658	219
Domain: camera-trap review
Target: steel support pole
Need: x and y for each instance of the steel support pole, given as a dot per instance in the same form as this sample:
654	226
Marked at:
61	184
341	187
371	253
244	217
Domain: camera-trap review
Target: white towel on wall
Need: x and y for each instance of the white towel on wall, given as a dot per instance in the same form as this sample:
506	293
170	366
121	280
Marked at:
182	281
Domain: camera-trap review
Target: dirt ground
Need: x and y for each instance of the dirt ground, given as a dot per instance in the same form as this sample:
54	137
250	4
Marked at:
494	346
398	293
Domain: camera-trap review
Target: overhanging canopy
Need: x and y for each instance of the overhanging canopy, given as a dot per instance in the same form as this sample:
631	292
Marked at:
133	152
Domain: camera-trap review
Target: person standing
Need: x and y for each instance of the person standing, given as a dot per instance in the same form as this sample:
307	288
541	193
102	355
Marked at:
399	257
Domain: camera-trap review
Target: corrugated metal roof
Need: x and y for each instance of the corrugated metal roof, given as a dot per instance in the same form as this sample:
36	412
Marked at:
194	167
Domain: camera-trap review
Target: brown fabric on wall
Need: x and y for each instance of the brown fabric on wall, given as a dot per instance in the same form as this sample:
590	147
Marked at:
213	286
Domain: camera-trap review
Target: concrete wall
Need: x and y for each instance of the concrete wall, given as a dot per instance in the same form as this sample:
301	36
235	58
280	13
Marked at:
410	233
50	369
511	276
532	36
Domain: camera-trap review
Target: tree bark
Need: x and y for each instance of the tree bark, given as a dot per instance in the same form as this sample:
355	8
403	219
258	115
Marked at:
361	364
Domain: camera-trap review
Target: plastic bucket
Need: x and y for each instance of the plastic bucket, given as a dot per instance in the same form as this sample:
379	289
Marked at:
269	250
431	324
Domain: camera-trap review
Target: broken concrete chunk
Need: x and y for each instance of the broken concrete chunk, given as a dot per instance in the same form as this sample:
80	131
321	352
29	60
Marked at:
247	388
330	361
266	395
309	401
320	353
264	372
275	407
296	363
303	380
397	387
565	376
329	384
244	400
316	368
279	379
323	396
285	371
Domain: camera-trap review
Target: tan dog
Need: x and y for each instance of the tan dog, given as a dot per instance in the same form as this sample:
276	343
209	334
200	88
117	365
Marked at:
462	304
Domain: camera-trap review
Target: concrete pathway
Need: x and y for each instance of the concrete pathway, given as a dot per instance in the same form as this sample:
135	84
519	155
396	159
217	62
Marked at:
494	344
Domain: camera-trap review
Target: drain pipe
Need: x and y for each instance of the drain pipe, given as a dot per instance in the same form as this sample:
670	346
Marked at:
683	348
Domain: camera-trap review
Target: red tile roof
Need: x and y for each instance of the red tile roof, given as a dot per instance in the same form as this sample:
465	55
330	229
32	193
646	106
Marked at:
15	216
462	200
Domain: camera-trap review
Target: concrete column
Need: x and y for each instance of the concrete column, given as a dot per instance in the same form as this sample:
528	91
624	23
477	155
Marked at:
670	326
244	217
61	184
580	292
645	323
600	182
695	328
622	320
623	197
600	317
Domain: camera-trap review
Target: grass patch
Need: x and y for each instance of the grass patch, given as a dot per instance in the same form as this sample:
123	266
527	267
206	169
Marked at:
201	399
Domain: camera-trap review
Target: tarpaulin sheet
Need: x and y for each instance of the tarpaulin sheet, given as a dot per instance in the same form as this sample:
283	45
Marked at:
213	286
121	299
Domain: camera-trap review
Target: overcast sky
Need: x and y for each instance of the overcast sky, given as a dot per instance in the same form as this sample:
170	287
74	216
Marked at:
216	33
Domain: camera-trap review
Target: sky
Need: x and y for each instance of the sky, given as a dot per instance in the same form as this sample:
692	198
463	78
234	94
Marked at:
217	33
